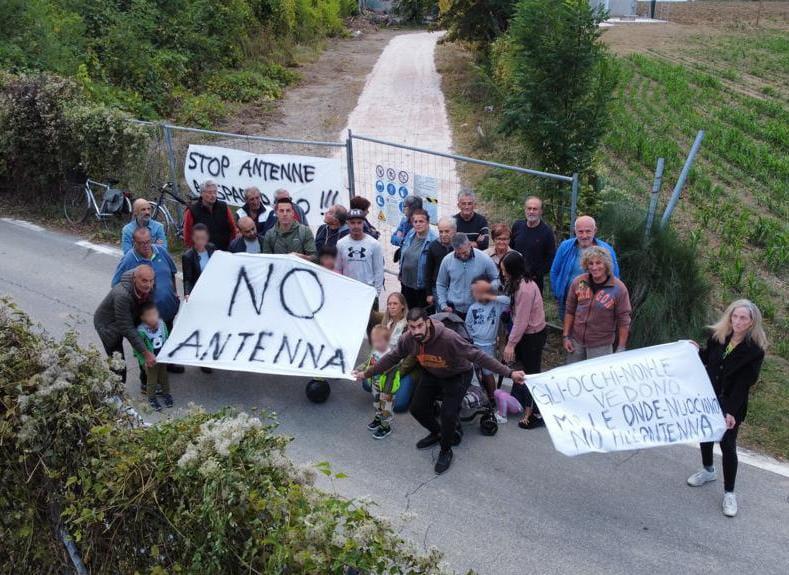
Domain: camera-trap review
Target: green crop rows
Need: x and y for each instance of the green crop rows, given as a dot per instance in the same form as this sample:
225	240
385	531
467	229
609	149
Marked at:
736	202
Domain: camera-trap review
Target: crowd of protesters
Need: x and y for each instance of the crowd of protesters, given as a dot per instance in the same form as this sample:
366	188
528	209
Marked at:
490	278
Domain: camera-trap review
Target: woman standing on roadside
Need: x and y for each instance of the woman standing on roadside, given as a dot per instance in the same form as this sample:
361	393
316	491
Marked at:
394	320
527	336
733	357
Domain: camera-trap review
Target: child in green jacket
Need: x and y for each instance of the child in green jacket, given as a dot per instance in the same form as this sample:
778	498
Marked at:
153	332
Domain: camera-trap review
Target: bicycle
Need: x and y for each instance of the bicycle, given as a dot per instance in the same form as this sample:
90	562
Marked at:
81	201
162	214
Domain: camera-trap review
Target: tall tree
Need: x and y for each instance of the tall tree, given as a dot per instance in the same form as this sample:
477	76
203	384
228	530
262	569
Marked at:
563	81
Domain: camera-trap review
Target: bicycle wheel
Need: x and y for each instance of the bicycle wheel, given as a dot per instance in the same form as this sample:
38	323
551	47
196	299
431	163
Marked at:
76	205
160	214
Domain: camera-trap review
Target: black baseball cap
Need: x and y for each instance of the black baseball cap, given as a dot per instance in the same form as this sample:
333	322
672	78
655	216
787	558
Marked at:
355	215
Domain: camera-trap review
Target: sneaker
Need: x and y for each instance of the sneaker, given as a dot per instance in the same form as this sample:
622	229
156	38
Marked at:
444	461
428	441
533	423
206	370
729	504
168	399
500	419
154	404
382	431
374	424
701	477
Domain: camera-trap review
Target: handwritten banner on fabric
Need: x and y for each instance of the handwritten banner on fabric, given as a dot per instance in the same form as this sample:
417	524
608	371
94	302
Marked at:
271	314
642	398
314	183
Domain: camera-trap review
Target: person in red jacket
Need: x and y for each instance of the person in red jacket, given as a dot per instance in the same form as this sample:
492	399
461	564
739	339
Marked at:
733	358
214	213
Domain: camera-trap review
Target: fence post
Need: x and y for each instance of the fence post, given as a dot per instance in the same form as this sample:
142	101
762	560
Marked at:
349	158
573	203
681	181
656	184
168	143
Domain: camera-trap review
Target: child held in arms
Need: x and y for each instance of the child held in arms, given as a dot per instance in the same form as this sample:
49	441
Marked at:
154	333
384	386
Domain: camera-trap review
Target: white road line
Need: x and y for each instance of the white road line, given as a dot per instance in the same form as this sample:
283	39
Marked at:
23	224
110	251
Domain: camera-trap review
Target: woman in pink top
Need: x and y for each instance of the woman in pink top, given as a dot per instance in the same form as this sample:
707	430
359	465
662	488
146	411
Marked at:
528	333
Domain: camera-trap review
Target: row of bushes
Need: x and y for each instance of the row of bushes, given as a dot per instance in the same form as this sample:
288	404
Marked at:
138	54
73	71
203	494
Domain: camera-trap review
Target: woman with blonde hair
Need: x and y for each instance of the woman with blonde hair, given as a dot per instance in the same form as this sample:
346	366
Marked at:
733	357
394	320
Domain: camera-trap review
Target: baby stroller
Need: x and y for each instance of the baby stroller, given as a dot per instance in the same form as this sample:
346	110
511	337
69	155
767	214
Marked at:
475	403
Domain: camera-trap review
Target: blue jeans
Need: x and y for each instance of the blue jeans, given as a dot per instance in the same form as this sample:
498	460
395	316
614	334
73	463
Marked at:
402	399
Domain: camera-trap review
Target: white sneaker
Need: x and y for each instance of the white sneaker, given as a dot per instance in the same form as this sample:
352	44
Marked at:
729	504
500	418
701	477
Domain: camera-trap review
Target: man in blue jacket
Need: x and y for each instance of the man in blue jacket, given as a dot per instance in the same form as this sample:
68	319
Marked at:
141	218
458	271
567	261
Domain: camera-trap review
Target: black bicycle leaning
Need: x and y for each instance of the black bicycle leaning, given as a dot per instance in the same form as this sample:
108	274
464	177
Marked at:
164	215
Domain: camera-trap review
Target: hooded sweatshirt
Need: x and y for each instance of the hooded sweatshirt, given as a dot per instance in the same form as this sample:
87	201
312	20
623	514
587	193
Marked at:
445	354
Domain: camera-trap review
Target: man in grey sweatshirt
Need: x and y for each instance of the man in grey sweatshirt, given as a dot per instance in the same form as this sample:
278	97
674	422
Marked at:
360	256
457	272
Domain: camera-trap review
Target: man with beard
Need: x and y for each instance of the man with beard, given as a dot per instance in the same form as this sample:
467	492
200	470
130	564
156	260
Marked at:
534	239
447	361
141	218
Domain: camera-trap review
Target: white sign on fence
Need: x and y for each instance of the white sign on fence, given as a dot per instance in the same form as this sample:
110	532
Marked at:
314	183
641	398
271	314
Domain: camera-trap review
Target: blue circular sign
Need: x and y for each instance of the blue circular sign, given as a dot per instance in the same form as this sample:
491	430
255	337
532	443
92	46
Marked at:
380	201
379	185
403	191
401	207
391	189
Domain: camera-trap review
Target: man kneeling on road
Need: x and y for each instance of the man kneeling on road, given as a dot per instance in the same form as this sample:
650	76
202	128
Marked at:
447	360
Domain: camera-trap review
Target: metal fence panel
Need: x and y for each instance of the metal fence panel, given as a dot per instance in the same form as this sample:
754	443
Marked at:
386	172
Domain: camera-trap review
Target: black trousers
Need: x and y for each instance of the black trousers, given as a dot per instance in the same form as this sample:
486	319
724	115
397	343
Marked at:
112	348
528	352
414	297
728	445
451	391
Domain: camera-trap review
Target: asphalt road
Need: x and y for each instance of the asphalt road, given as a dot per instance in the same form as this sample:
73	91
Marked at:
509	504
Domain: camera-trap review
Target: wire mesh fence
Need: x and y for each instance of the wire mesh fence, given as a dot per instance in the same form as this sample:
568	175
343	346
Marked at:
386	172
383	172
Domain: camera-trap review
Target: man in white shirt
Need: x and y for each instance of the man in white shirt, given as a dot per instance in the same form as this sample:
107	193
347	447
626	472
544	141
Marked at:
360	256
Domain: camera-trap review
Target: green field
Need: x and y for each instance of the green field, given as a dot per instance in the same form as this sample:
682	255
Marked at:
735	86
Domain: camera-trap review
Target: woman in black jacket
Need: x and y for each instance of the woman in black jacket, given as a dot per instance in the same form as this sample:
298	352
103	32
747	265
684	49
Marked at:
733	357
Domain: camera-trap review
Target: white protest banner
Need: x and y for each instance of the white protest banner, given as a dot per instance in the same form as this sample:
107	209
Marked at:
632	400
313	183
271	314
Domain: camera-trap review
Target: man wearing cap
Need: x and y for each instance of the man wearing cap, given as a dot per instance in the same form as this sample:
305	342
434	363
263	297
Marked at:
359	256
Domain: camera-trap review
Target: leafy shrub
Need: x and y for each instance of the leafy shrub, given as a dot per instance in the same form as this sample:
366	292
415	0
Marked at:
244	86
479	21
50	132
204	494
668	290
203	110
